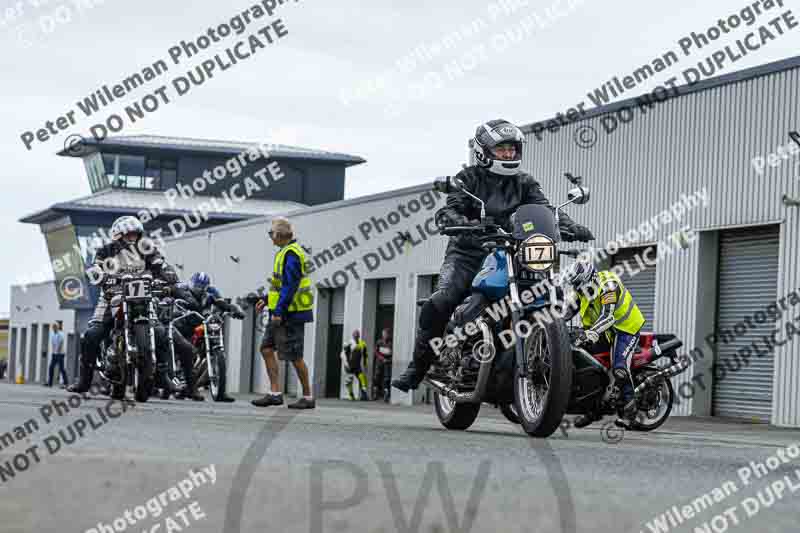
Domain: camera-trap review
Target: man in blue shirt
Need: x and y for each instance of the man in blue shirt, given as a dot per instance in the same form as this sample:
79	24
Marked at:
290	304
57	349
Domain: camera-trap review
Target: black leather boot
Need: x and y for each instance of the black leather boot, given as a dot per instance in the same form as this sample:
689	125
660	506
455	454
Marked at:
86	374
190	390
586	419
432	322
411	378
420	364
166	384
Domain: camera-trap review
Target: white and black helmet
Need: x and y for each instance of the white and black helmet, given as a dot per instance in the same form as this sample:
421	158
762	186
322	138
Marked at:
124	225
580	272
490	135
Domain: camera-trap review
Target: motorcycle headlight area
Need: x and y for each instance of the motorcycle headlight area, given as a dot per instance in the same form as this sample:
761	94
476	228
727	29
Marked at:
537	253
214	327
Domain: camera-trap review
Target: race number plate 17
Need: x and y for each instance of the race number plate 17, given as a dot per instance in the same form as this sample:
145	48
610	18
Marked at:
137	289
538	253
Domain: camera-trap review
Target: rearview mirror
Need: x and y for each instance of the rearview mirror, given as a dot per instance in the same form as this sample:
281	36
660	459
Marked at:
578	195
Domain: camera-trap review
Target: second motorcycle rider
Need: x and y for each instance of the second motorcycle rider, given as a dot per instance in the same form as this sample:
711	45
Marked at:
200	296
498	180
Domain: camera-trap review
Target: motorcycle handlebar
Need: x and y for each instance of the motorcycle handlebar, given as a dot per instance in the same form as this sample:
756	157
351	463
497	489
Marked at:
478	228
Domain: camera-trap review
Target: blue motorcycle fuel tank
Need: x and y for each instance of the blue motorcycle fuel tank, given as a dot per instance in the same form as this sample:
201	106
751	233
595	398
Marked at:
492	280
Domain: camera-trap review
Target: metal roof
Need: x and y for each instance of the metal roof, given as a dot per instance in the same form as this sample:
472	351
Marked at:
683	90
185	144
132	201
308	210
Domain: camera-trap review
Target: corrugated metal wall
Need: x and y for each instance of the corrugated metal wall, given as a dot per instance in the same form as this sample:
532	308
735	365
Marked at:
704	140
641	282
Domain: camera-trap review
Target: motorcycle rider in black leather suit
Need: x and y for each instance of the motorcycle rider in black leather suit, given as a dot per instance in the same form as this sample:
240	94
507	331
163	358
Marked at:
128	251
498	180
199	296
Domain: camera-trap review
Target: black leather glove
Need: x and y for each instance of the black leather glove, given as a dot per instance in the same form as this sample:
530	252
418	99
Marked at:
457	220
238	315
582	233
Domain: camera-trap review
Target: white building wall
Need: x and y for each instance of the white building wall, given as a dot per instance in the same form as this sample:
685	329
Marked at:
35	304
322	228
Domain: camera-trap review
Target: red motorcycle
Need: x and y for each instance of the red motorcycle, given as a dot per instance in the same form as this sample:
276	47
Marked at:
654	363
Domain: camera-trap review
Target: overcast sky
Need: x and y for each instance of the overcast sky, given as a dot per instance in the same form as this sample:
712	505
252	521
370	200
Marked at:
294	91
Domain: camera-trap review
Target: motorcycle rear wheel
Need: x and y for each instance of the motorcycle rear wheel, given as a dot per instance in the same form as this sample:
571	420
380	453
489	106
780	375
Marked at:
541	398
642	420
457	416
145	369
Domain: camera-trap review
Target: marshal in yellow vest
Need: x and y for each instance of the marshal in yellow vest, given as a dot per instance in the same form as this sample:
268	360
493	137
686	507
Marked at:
303	299
629	318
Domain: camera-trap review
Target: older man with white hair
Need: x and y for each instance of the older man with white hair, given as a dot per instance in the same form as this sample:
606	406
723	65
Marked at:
290	302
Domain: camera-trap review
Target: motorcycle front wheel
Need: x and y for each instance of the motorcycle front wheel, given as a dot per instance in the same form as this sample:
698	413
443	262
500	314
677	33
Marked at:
217	383
541	398
509	411
118	388
145	370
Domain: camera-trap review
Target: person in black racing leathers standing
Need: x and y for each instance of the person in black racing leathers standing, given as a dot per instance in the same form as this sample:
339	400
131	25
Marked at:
128	252
200	296
498	180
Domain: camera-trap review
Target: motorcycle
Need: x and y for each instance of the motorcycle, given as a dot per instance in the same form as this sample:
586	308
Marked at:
128	355
594	391
542	375
210	364
530	375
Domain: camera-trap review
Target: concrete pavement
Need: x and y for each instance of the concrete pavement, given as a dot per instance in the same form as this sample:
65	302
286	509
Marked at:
370	467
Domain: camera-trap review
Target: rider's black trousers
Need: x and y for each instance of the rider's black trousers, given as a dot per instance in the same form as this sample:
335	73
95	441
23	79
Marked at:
455	279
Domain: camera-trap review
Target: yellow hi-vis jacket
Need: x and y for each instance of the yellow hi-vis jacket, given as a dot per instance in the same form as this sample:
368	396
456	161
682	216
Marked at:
303	299
628	318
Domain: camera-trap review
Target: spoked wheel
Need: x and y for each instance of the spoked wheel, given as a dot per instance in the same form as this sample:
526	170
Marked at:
509	411
118	387
217	383
144	374
453	415
654	406
541	397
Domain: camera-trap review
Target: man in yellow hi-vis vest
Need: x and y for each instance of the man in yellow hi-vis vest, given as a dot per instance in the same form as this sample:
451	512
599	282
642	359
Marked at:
607	311
290	301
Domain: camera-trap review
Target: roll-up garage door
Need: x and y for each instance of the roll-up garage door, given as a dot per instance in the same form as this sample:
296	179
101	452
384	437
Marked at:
748	283
640	280
337	307
386	291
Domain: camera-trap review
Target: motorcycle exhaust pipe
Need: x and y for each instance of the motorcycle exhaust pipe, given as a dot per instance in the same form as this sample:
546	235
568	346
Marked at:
483	374
668	372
